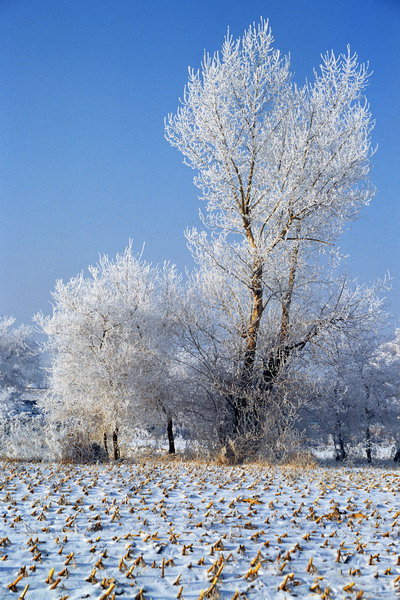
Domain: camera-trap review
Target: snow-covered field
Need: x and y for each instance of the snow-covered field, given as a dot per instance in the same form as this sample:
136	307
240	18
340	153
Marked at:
186	531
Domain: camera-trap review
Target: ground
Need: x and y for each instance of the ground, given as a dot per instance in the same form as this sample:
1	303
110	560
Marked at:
187	530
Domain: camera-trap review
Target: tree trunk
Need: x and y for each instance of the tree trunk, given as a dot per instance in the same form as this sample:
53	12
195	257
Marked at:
105	443
243	420
368	442
396	457
341	453
254	323
240	402
368	445
249	420
116	444
273	363
171	437
288	296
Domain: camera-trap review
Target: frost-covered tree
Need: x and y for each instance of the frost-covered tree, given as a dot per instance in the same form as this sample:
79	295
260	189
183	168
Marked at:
110	336
282	169
19	363
339	349
386	369
18	356
355	377
348	403
387	361
19	369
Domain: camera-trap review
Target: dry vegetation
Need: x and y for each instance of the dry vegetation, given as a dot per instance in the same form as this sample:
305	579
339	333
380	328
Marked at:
189	530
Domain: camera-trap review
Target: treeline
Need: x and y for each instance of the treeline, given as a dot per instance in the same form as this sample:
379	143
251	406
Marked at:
134	350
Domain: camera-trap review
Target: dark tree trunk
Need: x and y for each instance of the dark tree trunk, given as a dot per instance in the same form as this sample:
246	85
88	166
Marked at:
397	455
288	296
341	453
116	444
368	416
170	428
249	419
368	445
105	443
171	437
254	322
245	417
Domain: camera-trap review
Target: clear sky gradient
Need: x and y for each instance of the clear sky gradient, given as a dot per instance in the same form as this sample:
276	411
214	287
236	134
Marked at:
85	86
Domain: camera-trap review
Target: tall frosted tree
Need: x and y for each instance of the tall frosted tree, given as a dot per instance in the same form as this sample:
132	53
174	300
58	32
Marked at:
282	169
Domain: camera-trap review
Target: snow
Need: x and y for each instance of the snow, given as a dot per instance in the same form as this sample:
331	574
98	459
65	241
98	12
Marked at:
190	530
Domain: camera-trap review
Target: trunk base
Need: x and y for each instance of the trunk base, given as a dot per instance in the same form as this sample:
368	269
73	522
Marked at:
171	437
117	455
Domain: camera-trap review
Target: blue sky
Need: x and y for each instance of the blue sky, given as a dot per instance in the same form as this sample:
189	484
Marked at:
85	86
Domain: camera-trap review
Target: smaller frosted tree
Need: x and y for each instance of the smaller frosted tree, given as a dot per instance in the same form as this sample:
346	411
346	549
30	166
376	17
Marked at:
19	362
19	368
107	334
350	398
386	369
18	356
